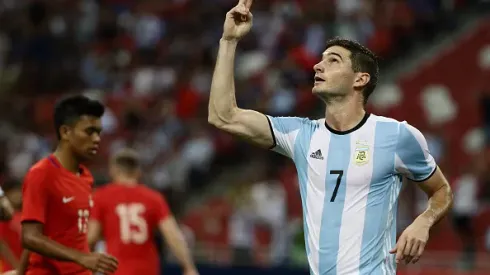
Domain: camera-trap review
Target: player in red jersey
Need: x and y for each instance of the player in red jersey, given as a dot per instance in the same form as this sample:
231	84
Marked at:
57	196
126	214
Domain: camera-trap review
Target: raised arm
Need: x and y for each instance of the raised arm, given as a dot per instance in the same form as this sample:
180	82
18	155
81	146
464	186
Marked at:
223	110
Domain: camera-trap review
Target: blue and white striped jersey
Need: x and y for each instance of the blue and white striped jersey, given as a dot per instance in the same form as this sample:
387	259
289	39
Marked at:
349	184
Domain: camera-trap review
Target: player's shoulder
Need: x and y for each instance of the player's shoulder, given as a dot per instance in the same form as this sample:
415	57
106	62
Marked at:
42	167
149	192
384	119
392	123
405	132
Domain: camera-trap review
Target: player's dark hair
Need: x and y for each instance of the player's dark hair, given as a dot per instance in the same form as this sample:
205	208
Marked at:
68	110
127	160
362	59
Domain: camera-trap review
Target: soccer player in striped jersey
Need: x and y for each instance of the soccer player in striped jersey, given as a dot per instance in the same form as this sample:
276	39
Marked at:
350	163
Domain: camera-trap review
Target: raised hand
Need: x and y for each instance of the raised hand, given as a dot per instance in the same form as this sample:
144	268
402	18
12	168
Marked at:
238	21
100	263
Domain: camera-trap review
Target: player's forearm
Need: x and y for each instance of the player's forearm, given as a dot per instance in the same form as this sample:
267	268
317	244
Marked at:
439	204
179	248
46	247
24	261
8	255
222	101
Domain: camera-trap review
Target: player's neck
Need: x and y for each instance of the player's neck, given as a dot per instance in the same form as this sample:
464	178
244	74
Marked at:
67	160
345	113
126	181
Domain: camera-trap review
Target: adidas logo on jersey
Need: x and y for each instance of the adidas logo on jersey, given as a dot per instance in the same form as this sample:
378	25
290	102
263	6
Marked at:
317	154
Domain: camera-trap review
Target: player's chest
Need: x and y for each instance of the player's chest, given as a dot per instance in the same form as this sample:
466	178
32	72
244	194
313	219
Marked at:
69	197
358	158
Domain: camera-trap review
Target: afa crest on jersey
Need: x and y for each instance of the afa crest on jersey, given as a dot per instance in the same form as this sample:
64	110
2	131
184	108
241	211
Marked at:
361	155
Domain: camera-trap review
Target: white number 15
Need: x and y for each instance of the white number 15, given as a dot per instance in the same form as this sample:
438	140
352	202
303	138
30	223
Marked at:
133	226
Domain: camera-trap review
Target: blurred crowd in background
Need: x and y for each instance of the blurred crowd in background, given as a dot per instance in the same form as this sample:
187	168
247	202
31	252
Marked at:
151	62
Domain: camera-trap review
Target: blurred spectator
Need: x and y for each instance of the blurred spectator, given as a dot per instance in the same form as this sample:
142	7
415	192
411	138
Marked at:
242	223
465	208
270	209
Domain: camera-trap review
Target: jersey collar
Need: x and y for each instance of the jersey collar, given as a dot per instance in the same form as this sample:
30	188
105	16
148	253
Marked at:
57	164
359	125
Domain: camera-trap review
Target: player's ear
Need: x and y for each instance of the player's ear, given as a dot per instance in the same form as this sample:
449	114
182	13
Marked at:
361	80
64	131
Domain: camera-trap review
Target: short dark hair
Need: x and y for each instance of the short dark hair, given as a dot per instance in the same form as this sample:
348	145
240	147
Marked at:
362	59
127	159
68	110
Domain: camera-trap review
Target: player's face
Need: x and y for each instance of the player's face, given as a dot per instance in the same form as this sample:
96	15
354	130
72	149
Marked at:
84	136
334	74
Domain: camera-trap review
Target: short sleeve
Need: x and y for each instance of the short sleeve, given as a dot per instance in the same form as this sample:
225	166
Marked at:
284	131
162	209
35	196
412	158
97	212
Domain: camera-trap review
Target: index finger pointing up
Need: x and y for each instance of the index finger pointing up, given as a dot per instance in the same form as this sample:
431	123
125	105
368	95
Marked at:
247	3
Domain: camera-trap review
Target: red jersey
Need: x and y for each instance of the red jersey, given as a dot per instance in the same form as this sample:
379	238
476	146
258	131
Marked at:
128	216
10	234
60	200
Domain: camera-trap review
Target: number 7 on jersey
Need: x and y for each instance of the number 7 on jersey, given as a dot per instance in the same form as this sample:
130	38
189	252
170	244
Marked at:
340	173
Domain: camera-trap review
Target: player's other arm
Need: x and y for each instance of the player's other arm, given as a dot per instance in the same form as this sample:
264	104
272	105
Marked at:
223	110
173	236
440	197
177	244
94	233
24	262
414	161
8	255
34	240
